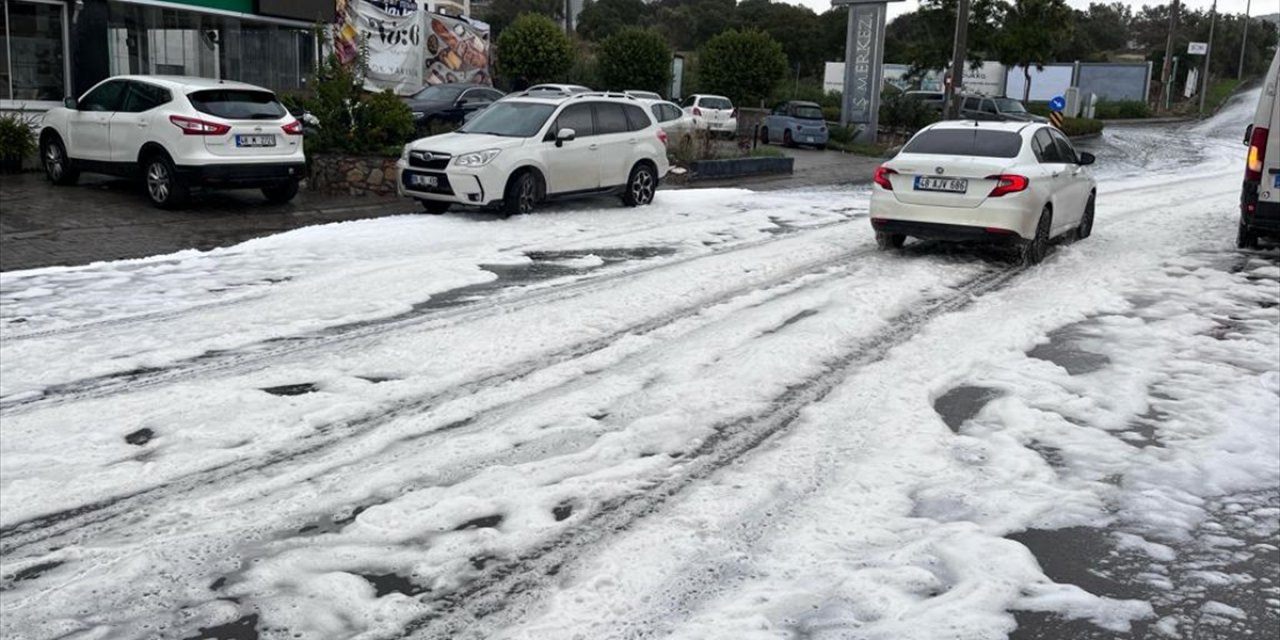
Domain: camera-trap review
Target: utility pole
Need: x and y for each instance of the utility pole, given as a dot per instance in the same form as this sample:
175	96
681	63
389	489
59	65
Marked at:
958	55
1168	53
1244	38
1204	87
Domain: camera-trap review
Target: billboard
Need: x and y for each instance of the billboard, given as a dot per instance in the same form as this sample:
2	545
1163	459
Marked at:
409	48
1052	81
457	50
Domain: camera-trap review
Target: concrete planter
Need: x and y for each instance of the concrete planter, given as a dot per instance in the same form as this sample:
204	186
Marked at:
738	167
334	174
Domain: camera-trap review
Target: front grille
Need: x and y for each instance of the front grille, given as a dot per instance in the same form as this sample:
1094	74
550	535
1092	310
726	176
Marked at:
429	160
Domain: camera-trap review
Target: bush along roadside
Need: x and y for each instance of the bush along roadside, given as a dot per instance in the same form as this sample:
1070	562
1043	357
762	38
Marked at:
17	140
1077	127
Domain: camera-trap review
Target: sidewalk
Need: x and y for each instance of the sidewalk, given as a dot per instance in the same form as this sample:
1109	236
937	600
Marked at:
108	219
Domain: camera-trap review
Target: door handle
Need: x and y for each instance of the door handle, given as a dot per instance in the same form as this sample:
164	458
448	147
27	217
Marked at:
633	141
1057	173
143	123
593	147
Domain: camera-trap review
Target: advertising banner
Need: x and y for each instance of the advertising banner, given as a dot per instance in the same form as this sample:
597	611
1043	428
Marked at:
392	31
457	50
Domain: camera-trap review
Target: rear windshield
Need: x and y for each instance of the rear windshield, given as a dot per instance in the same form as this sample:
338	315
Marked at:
237	104
807	113
966	142
715	103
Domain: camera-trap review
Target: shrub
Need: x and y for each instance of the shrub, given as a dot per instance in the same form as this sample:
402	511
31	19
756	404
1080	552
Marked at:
351	120
743	65
533	50
1121	110
906	115
635	59
1081	126
17	136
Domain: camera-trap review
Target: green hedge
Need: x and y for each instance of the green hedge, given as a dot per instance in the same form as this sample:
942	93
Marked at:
1081	126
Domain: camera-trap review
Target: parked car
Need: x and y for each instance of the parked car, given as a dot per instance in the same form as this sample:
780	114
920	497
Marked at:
996	109
933	99
643	95
526	149
713	113
176	133
794	123
999	182
449	102
679	126
1260	193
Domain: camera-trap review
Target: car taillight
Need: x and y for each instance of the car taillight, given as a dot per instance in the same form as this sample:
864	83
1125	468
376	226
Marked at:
1006	183
293	128
662	135
697	112
197	127
882	177
1257	153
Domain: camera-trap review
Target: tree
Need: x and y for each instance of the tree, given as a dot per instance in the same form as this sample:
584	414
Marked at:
796	28
635	59
926	39
1024	39
532	50
501	13
743	65
688	24
602	18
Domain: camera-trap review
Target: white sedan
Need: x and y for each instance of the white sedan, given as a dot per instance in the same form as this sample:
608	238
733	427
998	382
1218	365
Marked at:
1002	182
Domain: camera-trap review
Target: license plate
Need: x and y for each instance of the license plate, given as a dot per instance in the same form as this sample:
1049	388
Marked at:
255	141
419	180
951	185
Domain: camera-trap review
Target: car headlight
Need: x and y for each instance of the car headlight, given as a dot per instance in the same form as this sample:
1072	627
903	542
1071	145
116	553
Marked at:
477	159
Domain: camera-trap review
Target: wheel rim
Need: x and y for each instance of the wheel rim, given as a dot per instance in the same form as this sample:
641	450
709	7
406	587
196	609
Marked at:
158	181
527	196
642	187
53	161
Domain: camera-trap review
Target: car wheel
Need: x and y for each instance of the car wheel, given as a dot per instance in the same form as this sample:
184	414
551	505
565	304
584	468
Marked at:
640	186
786	139
1034	250
764	135
1246	238
1085	229
888	241
522	195
434	207
163	187
57	167
281	193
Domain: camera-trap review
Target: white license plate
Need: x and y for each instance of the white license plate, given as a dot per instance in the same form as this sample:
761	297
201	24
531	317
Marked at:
951	185
255	141
419	180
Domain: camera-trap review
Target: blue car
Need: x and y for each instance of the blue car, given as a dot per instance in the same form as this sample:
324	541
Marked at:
795	123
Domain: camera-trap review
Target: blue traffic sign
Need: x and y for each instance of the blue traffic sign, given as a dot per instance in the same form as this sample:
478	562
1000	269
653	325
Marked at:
1058	103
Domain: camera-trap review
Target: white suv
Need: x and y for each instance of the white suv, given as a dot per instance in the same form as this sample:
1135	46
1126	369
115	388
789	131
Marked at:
525	149
176	133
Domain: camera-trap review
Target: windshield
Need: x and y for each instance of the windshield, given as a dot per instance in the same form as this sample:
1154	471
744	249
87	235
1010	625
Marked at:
237	104
438	93
808	113
510	119
1009	105
966	142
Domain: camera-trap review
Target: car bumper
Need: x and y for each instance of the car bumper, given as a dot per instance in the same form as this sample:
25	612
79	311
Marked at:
239	176
996	219
724	126
810	137
476	187
1264	217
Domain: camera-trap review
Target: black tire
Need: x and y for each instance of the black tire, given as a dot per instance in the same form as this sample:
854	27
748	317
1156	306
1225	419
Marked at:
641	185
1034	250
1246	238
889	241
764	135
522	194
787	141
164	188
281	193
435	207
1085	229
57	166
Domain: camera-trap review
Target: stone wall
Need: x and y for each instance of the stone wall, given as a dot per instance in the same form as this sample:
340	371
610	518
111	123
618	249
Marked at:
352	175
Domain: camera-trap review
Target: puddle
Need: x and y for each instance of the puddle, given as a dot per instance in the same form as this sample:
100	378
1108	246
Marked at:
245	628
331	523
377	379
1080	556
562	511
1063	350
387	583
487	522
34	571
291	389
1052	455
1144	430
962	404
140	437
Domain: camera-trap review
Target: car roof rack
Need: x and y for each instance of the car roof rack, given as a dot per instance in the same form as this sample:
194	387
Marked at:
603	94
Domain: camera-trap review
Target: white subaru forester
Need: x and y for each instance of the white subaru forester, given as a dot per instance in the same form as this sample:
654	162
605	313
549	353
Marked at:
176	133
526	149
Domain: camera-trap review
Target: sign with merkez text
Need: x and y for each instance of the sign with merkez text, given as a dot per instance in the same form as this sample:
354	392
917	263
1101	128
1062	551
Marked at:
864	54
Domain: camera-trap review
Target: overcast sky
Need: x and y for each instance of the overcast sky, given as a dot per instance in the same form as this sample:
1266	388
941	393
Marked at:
1259	7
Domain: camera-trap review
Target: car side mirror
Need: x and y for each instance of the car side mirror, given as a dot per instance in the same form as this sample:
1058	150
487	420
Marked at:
74	105
1248	133
1086	158
565	135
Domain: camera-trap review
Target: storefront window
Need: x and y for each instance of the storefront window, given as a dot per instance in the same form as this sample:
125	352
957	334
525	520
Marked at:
32	45
150	40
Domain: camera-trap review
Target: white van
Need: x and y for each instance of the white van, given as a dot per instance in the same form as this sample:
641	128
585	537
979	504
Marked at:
1260	196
